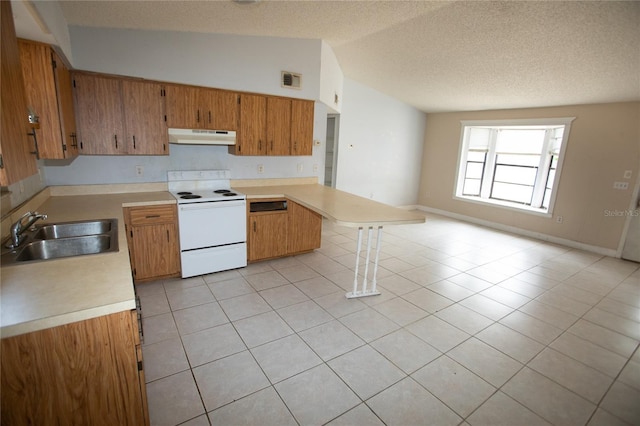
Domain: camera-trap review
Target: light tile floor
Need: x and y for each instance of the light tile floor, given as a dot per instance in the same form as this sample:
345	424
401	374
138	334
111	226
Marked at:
473	327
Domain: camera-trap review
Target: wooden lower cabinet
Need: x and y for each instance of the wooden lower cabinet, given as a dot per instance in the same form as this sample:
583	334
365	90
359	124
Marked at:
84	373
305	228
266	235
282	233
152	236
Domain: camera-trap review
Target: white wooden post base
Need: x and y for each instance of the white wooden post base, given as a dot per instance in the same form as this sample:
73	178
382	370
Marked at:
364	291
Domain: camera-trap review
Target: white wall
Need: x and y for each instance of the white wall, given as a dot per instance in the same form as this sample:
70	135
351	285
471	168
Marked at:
331	79
380	146
246	63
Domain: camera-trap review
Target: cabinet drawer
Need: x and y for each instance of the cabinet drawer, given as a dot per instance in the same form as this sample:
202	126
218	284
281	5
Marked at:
152	215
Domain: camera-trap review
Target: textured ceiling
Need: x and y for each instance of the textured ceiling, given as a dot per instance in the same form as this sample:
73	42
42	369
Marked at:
436	56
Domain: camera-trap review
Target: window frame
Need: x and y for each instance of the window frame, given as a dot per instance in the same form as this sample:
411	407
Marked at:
544	166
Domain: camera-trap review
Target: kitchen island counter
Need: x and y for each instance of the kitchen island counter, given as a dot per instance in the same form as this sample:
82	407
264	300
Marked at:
337	206
44	294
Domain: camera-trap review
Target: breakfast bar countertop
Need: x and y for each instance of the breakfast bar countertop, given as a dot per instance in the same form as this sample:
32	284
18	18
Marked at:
338	206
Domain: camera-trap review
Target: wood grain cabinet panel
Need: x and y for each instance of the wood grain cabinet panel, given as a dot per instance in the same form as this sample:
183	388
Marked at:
98	102
251	136
154	246
305	229
301	127
282	233
278	126
83	373
16	160
48	88
266	234
143	109
119	116
190	107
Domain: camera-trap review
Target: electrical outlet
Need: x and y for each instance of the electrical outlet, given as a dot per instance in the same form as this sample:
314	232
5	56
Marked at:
627	174
621	185
260	168
300	167
559	219
139	170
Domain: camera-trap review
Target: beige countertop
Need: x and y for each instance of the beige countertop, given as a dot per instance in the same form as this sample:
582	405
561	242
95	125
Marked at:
39	295
338	206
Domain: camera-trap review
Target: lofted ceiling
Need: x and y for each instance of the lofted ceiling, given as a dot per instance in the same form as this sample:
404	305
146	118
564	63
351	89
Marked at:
434	55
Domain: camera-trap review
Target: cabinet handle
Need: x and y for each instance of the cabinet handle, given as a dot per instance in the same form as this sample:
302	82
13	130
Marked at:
271	145
198	116
115	137
134	141
35	151
260	145
254	226
151	216
209	117
168	236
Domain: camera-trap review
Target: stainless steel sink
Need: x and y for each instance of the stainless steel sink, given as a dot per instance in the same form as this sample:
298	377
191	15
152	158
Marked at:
65	247
74	229
65	239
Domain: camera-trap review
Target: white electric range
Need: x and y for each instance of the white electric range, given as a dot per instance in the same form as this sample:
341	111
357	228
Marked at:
211	221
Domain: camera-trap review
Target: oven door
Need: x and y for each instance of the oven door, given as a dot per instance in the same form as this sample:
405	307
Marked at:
212	224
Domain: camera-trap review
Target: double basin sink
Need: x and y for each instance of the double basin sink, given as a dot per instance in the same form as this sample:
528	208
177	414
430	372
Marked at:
65	239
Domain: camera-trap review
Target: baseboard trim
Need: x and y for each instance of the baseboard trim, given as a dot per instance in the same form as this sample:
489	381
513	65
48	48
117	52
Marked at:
524	232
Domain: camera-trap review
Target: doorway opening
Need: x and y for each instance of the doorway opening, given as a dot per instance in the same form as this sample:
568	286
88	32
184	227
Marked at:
331	154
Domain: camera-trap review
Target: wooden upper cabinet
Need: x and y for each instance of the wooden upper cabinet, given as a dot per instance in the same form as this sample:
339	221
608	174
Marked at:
146	132
48	88
301	127
181	104
66	110
278	126
119	116
219	109
190	107
251	137
99	114
271	125
16	160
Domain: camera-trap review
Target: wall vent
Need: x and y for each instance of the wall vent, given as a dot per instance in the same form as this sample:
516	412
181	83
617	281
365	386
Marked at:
291	80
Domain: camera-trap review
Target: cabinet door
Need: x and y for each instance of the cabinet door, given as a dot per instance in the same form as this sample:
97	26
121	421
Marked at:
253	120
66	111
301	127
99	113
16	160
267	236
144	118
155	252
278	126
40	88
181	106
218	109
305	228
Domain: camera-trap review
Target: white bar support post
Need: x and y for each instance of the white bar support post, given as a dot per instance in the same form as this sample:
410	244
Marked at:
364	291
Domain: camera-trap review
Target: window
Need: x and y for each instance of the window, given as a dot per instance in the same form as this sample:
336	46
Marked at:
512	163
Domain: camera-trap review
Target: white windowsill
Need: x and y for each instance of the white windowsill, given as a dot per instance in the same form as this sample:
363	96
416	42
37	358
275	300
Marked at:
505	205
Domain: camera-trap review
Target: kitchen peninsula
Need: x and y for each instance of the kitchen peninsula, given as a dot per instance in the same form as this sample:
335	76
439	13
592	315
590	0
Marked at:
343	209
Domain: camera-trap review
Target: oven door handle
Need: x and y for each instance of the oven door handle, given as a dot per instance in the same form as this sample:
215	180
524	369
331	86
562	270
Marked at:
212	205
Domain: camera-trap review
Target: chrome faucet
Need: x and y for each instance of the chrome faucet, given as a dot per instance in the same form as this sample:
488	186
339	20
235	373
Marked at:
18	228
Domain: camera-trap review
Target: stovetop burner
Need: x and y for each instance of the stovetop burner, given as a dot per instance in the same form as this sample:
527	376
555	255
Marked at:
229	194
190	196
185	193
222	191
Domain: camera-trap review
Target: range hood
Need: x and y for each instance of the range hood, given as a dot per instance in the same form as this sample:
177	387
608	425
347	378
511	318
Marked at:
202	137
